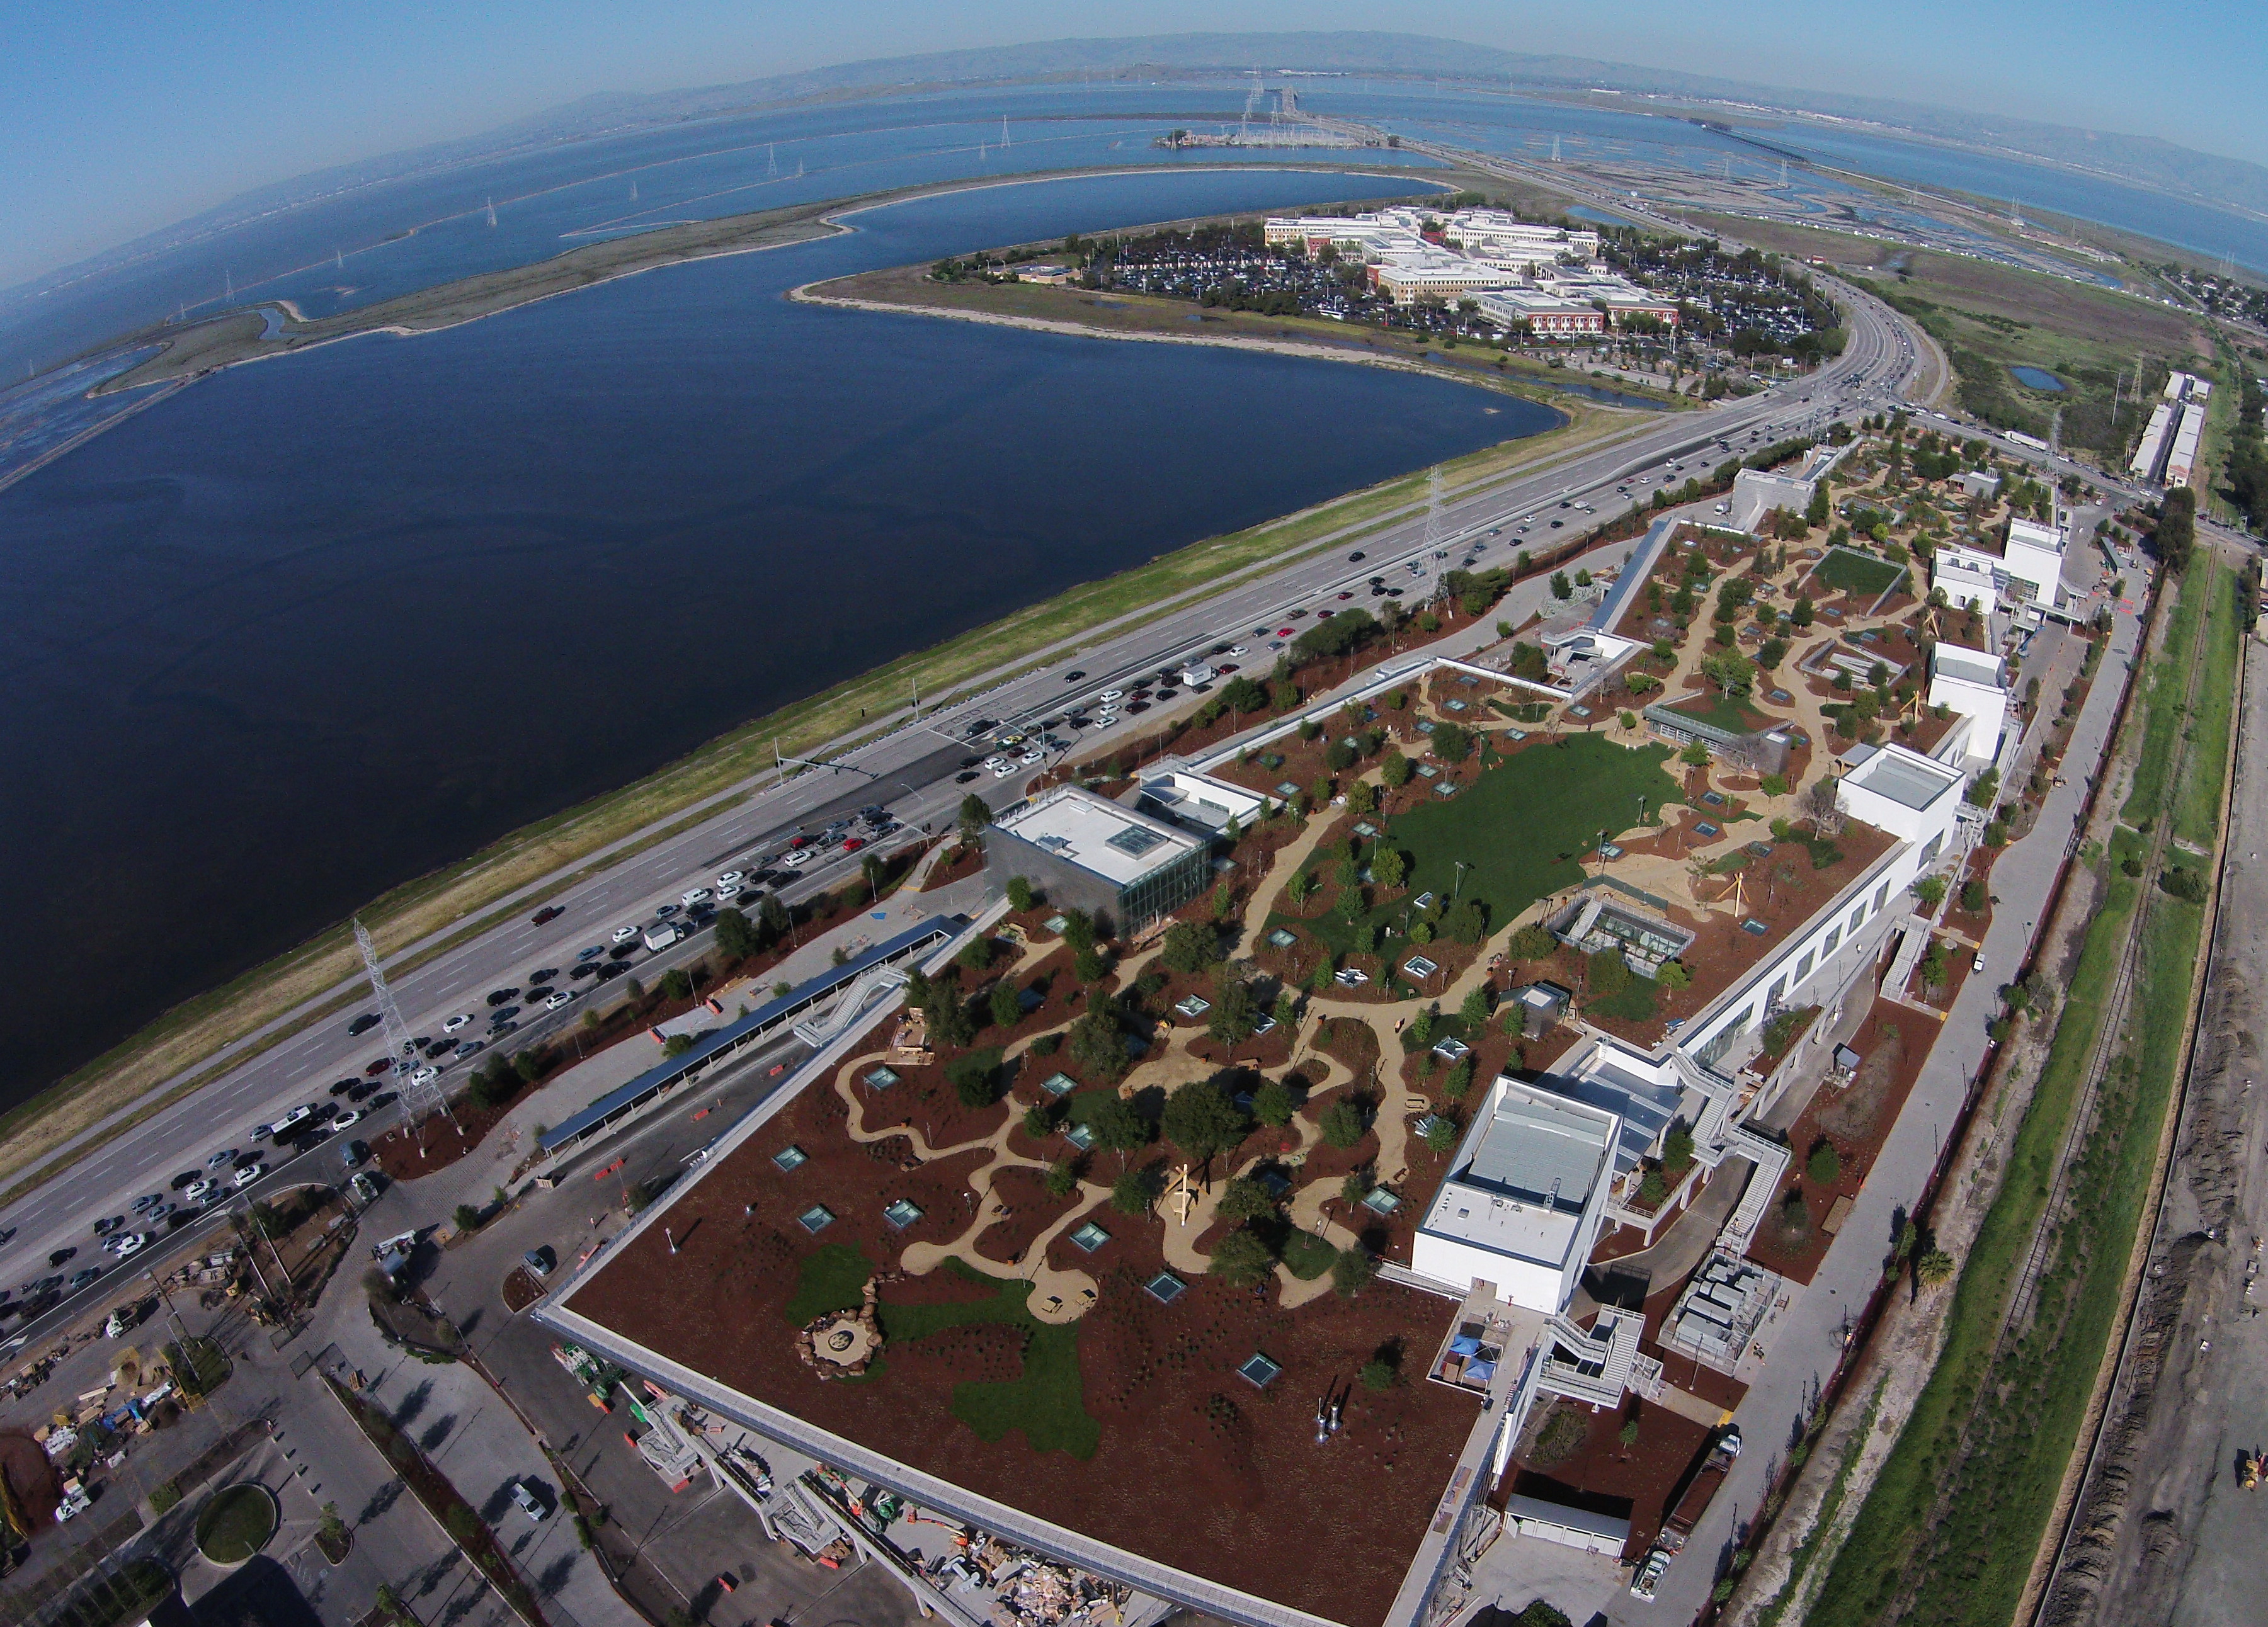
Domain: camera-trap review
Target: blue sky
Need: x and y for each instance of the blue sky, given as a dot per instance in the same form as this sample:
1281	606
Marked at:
118	118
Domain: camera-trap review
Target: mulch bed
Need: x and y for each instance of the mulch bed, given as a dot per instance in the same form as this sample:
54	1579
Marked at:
1637	1482
1893	1043
1195	1468
521	1289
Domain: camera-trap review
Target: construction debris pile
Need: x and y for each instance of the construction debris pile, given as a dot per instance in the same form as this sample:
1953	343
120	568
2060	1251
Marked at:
1034	1593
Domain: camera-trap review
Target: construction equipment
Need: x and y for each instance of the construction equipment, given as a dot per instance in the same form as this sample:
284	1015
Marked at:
2248	1465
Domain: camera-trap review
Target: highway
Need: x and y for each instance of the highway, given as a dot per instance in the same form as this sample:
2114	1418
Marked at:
911	771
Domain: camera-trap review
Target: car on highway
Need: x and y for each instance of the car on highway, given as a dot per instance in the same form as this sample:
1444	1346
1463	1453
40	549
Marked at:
797	859
662	912
105	1227
500	996
226	1155
623	934
732	877
560	1001
377	1067
340	1087
425	1075
84	1278
130	1243
1073	677
363	1024
345	1119
543	974
299	1114
469	1048
456	1022
696	895
504	1014
1356	557
592	953
546	915
60	1256
1002	771
249	1174
204	1190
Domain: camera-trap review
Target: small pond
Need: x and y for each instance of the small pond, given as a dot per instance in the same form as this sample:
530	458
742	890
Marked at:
2037	378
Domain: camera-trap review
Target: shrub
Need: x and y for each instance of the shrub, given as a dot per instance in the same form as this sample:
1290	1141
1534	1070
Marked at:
467	1218
1062	1178
1440	1135
1532	942
1201	1120
1824	1164
1377	1374
974	1078
1019	892
1007	1009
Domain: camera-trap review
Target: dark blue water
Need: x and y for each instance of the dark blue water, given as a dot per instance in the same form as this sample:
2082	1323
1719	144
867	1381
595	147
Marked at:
2037	378
315	626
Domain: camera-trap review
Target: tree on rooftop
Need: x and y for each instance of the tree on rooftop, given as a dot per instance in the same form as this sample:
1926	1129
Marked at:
1803	613
1731	673
1440	1134
1097	1043
1351	1272
1135	1190
1117	1126
1190	946
1241	1259
1201	1120
1930	890
1342	1124
1272	1104
1007	1009
1244	1199
1063	1177
1233	1016
1395	770
1476	1008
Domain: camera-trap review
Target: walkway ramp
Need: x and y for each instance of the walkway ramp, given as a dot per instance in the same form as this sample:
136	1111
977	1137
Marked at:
1771	1161
874	984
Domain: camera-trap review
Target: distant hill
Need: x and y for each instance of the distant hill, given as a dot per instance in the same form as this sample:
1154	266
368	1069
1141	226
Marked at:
2145	161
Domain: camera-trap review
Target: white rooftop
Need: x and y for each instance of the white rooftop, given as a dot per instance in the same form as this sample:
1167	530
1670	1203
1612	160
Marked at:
1905	777
1525	1173
1952	660
1097	835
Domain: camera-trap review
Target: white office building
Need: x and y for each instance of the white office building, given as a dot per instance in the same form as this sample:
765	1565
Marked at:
1968	683
1520	1208
2023	574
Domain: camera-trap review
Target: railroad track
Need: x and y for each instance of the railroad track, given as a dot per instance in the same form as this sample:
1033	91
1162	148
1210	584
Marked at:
2107	1040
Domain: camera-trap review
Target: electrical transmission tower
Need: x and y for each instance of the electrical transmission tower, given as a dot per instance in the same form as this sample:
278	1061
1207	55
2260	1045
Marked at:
1433	507
417	1099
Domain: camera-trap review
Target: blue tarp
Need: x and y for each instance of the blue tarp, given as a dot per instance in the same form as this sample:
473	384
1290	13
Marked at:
770	1014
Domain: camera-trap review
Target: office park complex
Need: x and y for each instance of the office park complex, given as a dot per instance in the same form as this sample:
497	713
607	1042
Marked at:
1389	1128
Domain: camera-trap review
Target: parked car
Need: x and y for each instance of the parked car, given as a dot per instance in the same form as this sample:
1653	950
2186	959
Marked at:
527	1502
540	1261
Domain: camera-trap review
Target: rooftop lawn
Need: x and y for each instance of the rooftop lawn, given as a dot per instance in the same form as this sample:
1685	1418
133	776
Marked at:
1847	571
1521	829
1048	1403
1719	711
